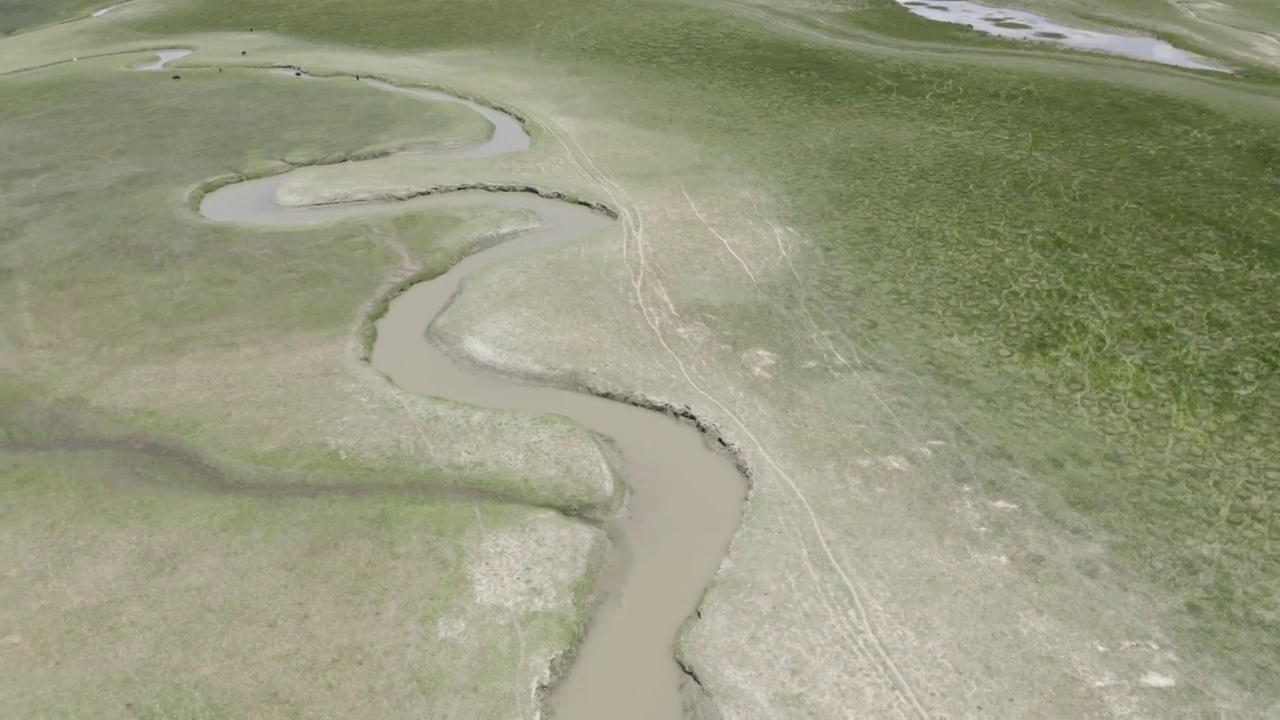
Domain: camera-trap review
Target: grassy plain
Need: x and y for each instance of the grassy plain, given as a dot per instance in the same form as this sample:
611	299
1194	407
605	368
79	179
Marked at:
16	15
1004	353
136	593
1083	275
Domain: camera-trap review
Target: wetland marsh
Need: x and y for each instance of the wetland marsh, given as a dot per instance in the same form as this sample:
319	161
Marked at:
992	324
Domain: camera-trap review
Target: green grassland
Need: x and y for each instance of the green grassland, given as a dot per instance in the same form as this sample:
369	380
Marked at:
1064	265
18	15
133	592
129	309
1082	274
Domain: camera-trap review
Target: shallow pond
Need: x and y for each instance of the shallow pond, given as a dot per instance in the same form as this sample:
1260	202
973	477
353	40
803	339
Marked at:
1022	25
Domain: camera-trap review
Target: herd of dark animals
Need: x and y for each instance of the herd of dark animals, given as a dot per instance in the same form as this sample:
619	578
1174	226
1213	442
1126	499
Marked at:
243	53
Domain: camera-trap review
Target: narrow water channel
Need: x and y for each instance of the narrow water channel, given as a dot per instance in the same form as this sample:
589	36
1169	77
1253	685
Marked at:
685	498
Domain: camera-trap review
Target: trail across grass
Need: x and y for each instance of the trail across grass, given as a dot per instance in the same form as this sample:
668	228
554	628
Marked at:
1085	275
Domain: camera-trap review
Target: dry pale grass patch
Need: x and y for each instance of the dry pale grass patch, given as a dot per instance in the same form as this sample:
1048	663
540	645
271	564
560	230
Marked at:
133	601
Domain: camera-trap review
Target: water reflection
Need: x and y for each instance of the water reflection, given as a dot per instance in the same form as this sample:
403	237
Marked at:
1022	25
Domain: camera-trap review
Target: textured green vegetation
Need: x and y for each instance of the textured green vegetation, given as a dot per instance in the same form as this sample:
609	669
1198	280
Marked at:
134	594
1084	275
17	15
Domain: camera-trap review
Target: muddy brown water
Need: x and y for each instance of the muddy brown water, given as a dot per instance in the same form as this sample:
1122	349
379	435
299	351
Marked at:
685	496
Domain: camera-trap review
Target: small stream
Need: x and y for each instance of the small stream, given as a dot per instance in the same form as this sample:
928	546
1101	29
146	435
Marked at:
685	495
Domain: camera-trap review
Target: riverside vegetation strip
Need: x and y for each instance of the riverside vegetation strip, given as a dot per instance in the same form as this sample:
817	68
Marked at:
1055	275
